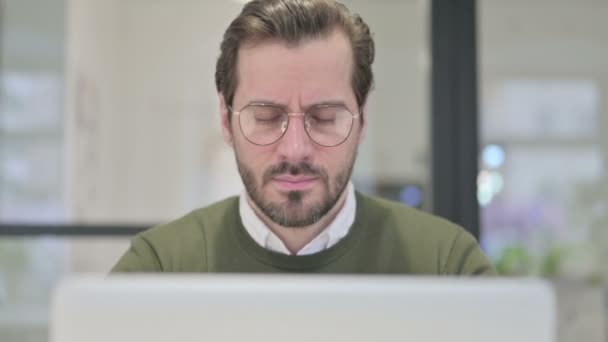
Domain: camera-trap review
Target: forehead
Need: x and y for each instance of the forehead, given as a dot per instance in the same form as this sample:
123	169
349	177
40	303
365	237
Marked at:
313	70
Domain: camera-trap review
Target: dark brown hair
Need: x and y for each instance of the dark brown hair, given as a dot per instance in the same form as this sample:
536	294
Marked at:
292	21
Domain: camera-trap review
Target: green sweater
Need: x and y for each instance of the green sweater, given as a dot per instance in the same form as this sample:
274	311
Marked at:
386	238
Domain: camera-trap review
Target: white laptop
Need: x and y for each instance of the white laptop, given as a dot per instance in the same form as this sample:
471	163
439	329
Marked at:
252	308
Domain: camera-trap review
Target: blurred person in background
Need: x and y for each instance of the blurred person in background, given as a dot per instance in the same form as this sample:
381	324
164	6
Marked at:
293	78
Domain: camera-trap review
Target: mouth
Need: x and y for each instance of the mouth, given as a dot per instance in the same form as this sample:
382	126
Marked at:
291	183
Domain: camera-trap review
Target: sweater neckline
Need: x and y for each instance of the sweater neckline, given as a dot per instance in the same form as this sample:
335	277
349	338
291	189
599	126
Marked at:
300	263
337	229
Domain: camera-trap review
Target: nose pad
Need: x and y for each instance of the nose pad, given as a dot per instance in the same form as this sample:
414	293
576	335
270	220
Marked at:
285	124
306	125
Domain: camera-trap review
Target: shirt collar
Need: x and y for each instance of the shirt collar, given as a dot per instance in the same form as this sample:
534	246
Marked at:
333	233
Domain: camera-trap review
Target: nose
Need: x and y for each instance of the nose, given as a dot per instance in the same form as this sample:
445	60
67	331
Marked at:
295	145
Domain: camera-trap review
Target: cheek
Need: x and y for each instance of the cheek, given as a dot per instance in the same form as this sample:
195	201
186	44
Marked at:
335	159
256	158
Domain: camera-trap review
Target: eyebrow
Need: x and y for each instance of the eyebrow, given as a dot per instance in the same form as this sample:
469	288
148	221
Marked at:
314	104
265	102
329	103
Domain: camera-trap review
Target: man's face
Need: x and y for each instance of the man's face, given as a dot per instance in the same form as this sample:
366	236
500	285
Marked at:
294	181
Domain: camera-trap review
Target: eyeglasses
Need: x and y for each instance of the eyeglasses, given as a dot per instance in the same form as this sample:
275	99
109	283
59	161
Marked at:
264	124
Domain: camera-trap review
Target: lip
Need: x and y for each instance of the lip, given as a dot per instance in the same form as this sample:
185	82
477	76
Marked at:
295	183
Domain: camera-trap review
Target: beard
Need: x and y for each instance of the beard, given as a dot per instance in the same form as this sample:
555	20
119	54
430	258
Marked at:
295	212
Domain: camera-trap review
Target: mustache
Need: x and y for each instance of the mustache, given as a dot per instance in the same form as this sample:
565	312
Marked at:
302	168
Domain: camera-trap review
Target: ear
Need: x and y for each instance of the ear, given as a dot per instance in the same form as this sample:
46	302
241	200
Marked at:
226	126
363	123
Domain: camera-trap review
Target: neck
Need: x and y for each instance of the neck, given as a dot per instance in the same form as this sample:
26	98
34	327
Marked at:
296	238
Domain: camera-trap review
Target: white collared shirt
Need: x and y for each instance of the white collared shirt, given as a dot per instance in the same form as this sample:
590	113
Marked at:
336	230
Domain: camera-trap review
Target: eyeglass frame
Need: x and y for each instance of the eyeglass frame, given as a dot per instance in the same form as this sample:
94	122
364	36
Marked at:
355	116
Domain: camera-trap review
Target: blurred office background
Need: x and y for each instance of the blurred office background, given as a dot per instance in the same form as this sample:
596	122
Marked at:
109	123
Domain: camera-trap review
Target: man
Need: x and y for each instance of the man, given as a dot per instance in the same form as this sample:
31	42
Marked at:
293	79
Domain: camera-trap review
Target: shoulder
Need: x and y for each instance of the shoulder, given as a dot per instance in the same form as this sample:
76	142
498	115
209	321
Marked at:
430	243
186	238
195	223
407	221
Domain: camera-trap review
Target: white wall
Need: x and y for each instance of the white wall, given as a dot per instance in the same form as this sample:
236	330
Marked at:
398	148
148	88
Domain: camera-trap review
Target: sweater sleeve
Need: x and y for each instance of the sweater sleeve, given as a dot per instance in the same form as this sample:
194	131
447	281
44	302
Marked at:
140	257
467	258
